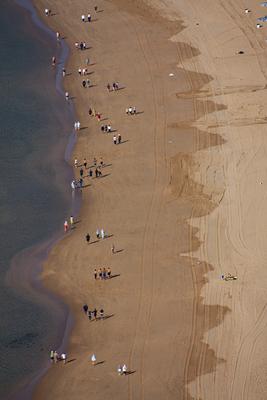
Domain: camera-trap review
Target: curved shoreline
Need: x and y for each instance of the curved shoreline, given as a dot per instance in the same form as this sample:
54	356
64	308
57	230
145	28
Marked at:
26	266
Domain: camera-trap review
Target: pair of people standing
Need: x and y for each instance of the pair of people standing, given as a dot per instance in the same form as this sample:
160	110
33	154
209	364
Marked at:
66	224
117	139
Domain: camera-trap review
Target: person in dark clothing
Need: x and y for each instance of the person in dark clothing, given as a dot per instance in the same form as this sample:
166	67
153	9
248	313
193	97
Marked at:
95	313
87	238
81	172
85	308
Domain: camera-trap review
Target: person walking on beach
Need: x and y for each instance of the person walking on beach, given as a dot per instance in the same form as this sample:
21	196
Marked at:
90	173
85	308
85	163
100	273
53	61
98	233
89	17
101	312
55	357
52	356
75	163
83	18
90	315
113	249
87	237
108	87
66	226
71	222
102	233
81	182
73	185
98	116
63	72
81	172
67	96
115	139
104	273
58	36
119	138
124	369
64	358
93	359
95	314
109	273
95	274
119	369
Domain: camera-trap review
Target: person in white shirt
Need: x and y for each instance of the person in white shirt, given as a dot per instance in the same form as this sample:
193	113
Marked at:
64	357
93	359
124	369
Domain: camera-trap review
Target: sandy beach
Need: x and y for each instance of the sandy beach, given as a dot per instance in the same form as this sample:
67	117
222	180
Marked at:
182	198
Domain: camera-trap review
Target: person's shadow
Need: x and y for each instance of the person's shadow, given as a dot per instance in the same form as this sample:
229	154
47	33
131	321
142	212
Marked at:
100	362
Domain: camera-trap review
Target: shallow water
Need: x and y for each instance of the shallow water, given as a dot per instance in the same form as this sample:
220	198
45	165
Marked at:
34	191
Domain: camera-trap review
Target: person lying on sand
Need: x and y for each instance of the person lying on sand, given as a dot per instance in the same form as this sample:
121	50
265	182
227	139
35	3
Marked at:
229	277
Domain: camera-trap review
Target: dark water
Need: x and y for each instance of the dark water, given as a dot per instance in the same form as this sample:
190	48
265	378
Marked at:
35	124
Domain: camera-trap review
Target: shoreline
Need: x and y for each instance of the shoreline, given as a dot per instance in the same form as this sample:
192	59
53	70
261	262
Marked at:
26	266
25	275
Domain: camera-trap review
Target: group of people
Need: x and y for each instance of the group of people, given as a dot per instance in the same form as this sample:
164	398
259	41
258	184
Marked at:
117	139
122	370
131	110
83	18
92	112
69	225
106	128
113	87
82	71
80	45
86	83
100	234
93	314
48	12
76	184
102	273
55	357
77	125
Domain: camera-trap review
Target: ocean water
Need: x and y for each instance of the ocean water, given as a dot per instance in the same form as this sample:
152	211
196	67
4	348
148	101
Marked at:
35	126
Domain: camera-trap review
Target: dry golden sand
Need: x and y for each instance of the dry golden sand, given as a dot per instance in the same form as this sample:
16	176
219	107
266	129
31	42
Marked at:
181	196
